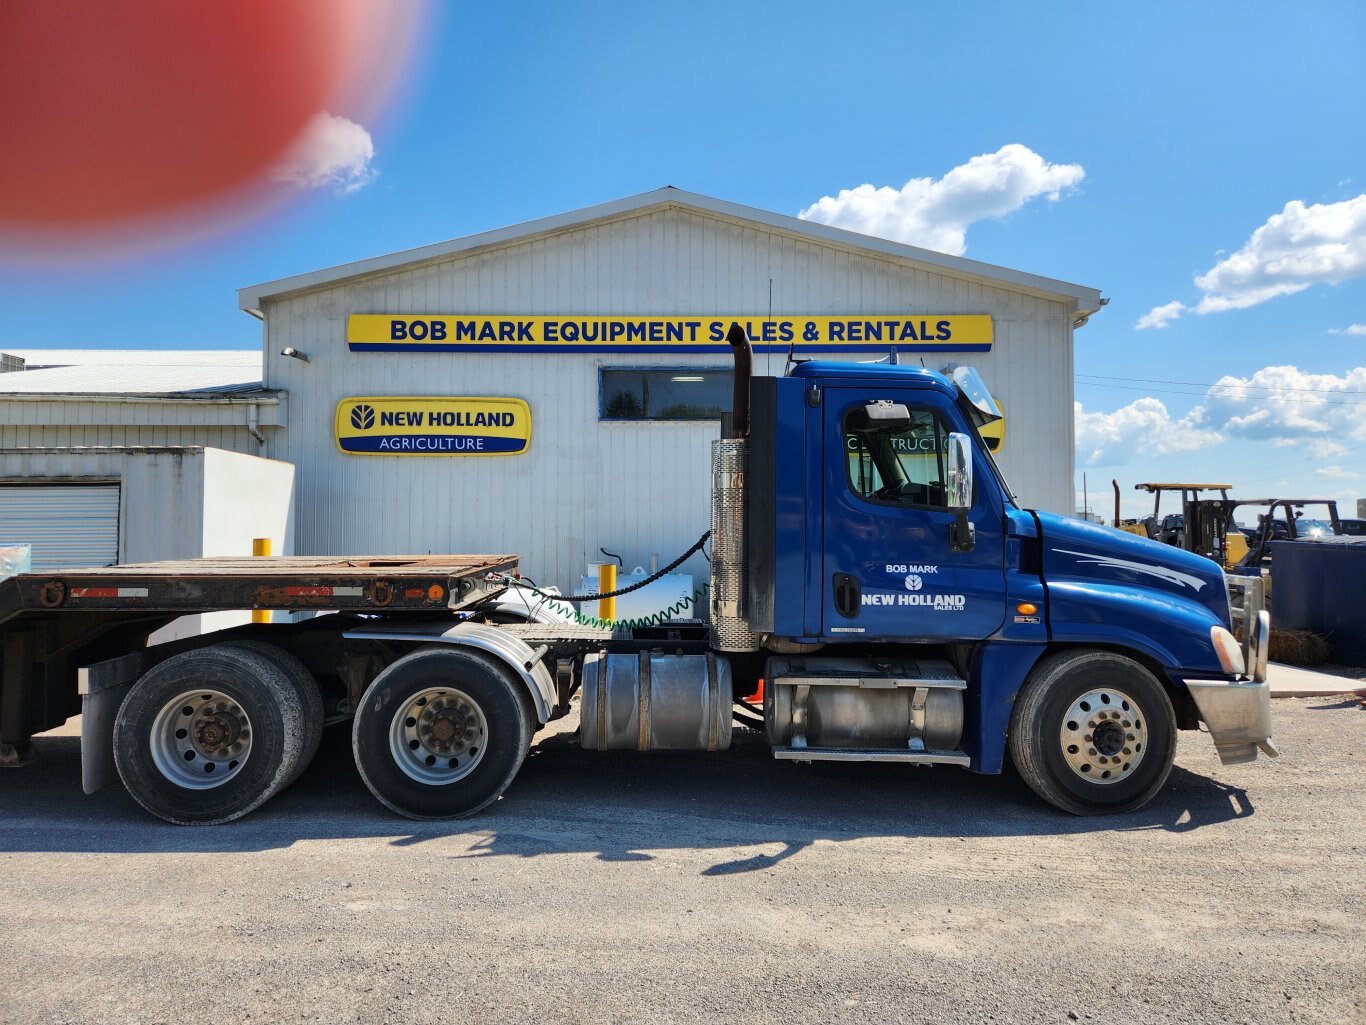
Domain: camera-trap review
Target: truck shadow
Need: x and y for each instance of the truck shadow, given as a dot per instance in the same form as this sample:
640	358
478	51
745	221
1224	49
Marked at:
617	807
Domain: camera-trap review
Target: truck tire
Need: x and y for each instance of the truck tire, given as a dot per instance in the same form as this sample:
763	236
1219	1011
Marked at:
440	734
209	735
1093	732
310	697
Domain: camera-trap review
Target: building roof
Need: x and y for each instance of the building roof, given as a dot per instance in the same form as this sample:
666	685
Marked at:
1087	300
134	372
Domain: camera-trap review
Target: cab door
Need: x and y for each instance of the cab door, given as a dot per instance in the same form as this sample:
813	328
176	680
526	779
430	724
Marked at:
890	571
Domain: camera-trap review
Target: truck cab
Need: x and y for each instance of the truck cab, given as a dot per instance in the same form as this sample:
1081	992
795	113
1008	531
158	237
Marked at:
880	524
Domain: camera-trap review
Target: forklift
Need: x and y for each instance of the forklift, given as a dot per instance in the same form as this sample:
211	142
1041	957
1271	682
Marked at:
1202	524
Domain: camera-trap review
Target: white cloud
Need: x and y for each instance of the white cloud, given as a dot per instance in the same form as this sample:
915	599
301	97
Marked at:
1315	448
331	152
1302	246
1337	473
936	213
1288	406
1160	316
1350	329
1323	448
1109	439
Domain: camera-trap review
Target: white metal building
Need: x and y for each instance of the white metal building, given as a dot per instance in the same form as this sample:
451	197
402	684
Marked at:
600	470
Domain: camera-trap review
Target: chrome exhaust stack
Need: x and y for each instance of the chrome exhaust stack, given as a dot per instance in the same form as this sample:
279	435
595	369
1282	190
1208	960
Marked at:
730	629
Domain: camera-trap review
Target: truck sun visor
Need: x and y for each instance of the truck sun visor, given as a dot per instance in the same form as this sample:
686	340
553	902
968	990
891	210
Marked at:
975	390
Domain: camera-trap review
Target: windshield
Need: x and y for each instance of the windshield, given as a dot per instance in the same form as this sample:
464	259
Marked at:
1313	528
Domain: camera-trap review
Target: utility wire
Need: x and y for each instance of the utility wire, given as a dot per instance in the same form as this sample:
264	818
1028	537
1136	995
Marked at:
1230	387
1148	390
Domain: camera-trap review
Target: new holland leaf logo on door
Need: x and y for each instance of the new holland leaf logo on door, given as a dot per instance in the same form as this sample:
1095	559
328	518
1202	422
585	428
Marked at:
426	426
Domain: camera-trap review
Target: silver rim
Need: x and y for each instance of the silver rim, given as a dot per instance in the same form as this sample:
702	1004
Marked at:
1104	736
201	739
438	736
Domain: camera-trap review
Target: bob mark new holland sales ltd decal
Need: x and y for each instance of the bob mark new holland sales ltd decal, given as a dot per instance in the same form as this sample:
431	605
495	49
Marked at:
398	426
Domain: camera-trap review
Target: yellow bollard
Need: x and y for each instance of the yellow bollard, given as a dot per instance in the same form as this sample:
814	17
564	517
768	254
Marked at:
607	581
260	546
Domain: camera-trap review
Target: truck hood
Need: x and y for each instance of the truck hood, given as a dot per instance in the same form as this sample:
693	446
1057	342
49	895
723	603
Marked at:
1075	550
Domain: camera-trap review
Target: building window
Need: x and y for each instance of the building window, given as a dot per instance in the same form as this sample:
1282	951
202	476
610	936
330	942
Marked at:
683	393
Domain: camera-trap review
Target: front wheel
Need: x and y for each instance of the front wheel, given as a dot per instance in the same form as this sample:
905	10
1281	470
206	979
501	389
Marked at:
440	734
1093	732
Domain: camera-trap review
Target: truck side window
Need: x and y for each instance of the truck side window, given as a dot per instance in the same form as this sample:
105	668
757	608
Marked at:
898	461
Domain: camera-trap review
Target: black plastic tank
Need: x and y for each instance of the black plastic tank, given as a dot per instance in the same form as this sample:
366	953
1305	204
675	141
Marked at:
1320	585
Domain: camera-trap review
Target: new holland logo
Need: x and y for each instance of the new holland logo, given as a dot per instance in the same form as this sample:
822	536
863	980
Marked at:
404	425
363	417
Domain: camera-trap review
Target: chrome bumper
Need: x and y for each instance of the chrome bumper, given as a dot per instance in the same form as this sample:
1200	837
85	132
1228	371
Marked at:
1238	713
1238	716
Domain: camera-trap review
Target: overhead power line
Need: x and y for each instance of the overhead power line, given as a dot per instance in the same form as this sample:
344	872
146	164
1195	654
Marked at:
1231	387
1148	389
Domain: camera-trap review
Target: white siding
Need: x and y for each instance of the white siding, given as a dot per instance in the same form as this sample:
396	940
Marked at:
634	488
87	422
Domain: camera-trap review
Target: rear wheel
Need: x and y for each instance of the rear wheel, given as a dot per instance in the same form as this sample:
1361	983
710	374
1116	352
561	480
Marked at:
310	697
440	734
209	735
1093	732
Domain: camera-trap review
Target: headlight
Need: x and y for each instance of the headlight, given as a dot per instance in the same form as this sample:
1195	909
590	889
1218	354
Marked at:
1228	650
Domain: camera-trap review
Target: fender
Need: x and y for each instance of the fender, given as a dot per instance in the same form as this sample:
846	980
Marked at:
524	663
997	673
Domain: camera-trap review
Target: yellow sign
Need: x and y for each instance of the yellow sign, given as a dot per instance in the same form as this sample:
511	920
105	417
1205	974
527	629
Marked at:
994	433
424	426
485	332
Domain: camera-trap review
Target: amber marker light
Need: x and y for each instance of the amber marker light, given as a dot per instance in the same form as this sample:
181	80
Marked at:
1026	608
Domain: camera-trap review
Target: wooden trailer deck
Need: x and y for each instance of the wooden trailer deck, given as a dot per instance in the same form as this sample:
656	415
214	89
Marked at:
370	583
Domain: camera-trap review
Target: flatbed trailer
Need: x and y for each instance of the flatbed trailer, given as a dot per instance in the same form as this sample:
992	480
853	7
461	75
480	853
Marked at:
52	624
870	574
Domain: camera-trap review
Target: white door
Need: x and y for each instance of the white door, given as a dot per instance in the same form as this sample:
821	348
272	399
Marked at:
68	525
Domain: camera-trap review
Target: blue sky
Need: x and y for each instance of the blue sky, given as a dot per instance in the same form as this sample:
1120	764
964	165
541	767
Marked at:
1192	126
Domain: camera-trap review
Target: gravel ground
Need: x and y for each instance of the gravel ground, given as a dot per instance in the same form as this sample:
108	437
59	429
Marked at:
617	888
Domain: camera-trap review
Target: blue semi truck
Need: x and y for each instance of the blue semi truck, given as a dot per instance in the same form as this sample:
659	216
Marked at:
871	575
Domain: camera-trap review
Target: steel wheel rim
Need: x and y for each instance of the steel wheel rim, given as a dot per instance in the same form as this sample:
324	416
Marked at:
1104	736
201	739
438	736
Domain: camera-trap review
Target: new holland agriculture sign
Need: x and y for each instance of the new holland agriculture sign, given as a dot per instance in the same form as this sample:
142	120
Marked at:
483	332
393	426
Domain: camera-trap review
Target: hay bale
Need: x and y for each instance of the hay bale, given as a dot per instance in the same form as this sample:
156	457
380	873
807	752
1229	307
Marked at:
1298	648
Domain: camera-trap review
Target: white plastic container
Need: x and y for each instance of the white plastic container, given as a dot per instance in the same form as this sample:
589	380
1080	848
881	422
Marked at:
15	559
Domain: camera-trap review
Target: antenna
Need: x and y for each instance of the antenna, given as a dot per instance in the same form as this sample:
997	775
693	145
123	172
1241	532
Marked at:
768	350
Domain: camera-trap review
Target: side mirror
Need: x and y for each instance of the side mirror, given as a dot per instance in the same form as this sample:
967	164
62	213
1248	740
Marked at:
958	492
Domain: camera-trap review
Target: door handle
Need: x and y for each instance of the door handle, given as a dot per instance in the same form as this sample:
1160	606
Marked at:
847	594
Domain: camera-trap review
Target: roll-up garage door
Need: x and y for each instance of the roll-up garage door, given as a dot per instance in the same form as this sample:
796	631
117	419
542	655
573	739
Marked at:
68	525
